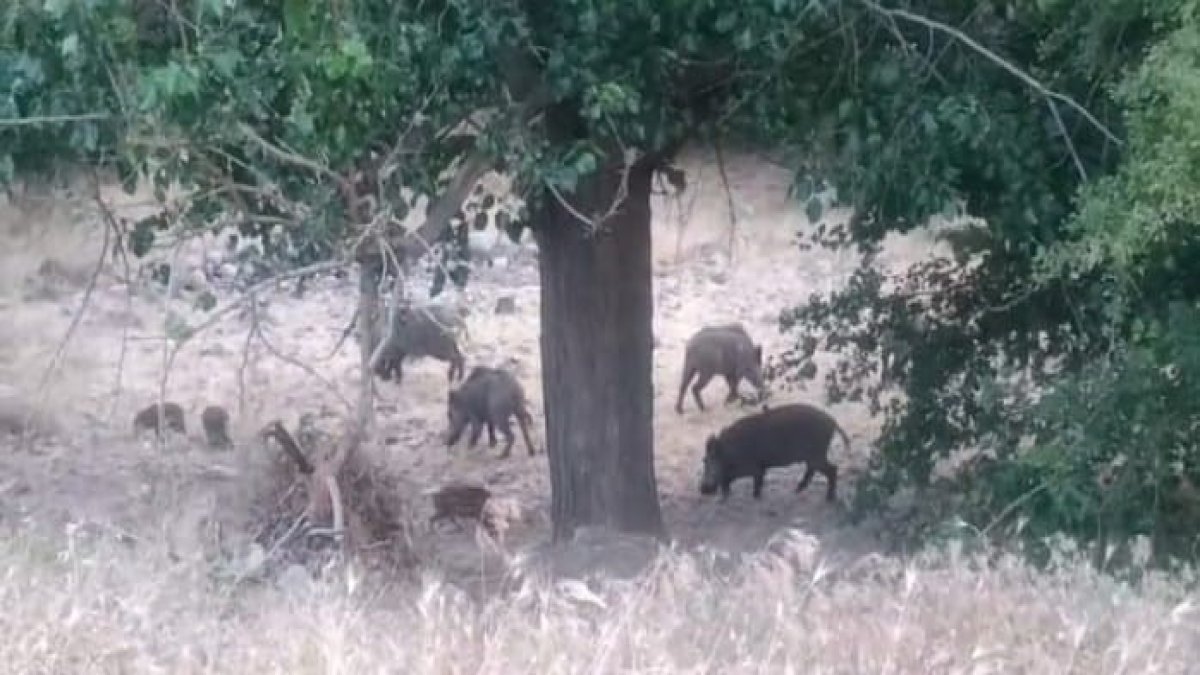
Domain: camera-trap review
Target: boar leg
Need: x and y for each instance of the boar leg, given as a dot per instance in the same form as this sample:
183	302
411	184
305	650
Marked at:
701	383
509	437
732	381
809	470
831	475
688	374
476	429
759	477
524	420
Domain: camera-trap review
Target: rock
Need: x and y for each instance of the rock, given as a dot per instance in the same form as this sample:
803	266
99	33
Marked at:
506	305
295	580
255	558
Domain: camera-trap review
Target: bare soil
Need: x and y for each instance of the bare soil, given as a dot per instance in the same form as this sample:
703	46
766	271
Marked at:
93	471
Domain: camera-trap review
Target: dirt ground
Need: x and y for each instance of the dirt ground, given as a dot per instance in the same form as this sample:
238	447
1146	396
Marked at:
95	473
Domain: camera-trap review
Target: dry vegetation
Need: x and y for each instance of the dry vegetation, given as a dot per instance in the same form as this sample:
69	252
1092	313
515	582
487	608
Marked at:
119	556
79	608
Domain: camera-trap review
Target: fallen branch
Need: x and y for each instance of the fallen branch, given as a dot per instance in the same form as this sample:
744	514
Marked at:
290	447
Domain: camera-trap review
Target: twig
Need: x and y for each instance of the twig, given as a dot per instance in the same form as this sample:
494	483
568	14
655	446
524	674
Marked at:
594	224
1013	507
439	214
335	501
999	61
246	359
733	220
289	156
52	119
290	446
441	211
217	315
110	221
56	359
168	356
1067	139
297	363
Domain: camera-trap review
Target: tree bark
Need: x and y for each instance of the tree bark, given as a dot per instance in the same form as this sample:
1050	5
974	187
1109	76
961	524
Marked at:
597	357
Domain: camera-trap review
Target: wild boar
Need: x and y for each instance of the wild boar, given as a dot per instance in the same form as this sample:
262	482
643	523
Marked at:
489	396
723	349
779	436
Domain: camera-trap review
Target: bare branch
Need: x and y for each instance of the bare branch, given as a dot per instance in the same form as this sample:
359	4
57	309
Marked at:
441	211
290	447
290	157
618	200
1067	139
218	314
996	59
296	362
53	119
733	221
56	359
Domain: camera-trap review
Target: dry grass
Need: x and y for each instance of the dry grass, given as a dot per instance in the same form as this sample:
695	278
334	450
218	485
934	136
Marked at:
84	608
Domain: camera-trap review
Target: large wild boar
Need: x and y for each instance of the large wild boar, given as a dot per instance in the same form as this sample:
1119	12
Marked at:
779	436
490	396
723	349
421	331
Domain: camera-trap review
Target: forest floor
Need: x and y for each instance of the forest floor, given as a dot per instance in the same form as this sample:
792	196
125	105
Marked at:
155	515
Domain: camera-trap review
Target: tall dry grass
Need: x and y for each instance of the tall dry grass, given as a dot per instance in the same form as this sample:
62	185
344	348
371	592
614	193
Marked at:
100	608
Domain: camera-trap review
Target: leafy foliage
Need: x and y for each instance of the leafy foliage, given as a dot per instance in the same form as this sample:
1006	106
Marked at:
1075	296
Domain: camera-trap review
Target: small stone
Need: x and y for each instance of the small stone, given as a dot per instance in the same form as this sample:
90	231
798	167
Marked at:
506	305
295	580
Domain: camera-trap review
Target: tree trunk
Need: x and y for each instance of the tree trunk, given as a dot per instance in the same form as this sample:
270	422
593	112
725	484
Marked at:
597	358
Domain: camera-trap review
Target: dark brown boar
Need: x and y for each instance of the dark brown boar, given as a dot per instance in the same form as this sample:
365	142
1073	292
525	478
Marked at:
489	396
417	332
778	436
149	418
722	349
215	421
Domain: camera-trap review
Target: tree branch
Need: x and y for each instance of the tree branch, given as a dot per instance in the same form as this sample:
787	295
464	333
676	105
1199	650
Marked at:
290	157
998	60
53	119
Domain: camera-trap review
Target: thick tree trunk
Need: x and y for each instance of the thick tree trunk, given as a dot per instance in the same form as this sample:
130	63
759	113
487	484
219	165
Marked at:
597	352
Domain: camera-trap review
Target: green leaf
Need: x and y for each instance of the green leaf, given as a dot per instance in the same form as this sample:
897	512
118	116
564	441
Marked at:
57	9
70	45
225	62
585	163
804	188
744	40
7	169
726	22
296	20
814	209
